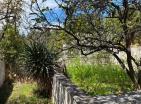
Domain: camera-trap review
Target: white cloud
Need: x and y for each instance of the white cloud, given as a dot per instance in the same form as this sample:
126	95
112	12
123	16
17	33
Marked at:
26	22
50	4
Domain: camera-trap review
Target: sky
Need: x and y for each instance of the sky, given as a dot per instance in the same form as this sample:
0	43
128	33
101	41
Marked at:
26	18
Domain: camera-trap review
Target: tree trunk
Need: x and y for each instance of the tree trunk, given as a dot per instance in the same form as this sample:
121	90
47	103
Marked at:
7	68
131	72
139	79
49	88
45	87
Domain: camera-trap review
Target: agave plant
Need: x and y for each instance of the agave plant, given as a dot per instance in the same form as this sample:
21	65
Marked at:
40	64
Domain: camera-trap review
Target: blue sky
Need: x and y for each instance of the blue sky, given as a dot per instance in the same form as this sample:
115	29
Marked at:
55	13
26	18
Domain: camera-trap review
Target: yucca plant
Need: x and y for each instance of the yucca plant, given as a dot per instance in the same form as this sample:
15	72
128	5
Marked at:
40	64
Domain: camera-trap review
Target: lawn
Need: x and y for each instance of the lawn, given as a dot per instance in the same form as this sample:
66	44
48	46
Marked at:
22	93
100	79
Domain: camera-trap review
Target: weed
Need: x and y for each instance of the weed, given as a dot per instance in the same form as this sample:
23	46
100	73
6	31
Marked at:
100	79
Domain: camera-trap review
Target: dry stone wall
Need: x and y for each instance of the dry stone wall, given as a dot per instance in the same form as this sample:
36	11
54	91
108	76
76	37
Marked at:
64	92
2	72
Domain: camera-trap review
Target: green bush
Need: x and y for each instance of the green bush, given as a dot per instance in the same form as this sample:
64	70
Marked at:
40	65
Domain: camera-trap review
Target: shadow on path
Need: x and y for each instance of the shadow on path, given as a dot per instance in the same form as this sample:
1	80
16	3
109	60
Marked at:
5	91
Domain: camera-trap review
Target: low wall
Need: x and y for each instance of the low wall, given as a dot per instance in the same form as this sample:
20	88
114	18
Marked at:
65	93
2	72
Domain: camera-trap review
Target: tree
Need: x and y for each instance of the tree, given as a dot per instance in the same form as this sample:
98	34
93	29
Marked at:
97	25
54	39
11	48
10	13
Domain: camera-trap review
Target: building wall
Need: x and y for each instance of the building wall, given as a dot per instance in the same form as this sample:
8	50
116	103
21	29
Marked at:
108	58
135	51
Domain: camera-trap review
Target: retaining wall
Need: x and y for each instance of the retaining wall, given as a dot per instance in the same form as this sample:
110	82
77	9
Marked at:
2	72
64	92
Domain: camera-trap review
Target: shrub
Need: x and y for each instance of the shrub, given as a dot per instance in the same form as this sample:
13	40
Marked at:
40	64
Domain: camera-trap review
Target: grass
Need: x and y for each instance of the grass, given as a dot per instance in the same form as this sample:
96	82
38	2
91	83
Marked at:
100	79
23	93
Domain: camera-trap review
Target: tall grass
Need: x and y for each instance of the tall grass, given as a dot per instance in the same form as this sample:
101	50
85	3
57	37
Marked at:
100	79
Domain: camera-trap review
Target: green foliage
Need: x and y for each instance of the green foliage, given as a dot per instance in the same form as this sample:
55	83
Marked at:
100	79
57	39
137	40
39	60
11	45
40	64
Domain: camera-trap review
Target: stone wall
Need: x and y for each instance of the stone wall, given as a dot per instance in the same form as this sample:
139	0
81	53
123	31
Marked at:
66	93
2	72
136	53
103	58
